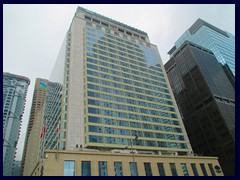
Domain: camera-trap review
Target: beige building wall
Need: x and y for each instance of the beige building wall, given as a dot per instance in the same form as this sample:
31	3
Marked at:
32	141
33	146
53	163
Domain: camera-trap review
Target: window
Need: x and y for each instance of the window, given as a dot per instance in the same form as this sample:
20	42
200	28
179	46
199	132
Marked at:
121	30
87	17
118	168
184	169
94	20
105	24
203	169
195	172
173	169
161	169
102	168
211	169
148	169
86	168
69	168
133	168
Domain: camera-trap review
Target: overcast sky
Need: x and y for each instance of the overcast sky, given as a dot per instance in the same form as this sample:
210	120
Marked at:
33	34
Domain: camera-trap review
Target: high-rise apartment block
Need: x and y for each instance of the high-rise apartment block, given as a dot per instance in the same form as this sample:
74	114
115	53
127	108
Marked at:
114	112
220	42
14	97
32	139
206	100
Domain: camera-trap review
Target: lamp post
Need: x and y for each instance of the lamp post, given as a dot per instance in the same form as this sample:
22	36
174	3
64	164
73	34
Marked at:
134	164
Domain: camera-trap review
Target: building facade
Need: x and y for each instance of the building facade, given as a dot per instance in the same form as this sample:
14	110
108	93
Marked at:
32	140
206	101
220	42
115	97
90	163
14	97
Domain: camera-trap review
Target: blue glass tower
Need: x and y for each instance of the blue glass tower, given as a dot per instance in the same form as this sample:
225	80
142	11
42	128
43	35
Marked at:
14	97
220	42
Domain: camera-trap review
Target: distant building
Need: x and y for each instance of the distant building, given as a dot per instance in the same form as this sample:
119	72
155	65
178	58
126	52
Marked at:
110	109
17	168
220	42
206	100
14	98
32	140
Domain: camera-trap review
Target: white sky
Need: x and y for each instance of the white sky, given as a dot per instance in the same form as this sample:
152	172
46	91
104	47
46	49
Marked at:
33	34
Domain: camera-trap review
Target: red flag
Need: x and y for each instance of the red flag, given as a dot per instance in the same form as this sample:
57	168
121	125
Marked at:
58	127
44	129
41	135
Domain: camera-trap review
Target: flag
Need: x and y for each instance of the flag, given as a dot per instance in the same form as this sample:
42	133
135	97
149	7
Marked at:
44	130
58	126
41	135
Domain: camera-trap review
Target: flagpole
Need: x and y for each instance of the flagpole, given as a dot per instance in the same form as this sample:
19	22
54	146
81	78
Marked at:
58	141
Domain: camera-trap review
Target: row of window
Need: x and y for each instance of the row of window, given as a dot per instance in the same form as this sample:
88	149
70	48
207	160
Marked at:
126	80
132	94
127	99
124	57
101	120
138	142
129	116
126	42
86	168
102	56
127	132
131	108
151	72
148	53
116	33
119	47
123	75
128	108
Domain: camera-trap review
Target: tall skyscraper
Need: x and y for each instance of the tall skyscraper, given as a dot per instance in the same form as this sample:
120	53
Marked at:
114	112
206	101
220	42
32	139
14	97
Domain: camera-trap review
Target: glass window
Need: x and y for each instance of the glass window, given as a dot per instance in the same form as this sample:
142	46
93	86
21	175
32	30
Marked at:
148	169
211	169
203	169
118	168
102	168
184	169
195	172
86	168
161	169
69	168
133	168
173	169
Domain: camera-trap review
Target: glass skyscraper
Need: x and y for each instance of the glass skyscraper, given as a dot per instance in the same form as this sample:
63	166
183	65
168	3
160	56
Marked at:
206	101
220	42
14	97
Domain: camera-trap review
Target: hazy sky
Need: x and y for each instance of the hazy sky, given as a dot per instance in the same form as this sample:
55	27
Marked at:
33	34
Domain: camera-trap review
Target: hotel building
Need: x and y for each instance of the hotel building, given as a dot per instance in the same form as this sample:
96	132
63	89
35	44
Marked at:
118	115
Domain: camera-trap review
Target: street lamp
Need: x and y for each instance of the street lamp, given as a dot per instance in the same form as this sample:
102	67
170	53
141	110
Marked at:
134	164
